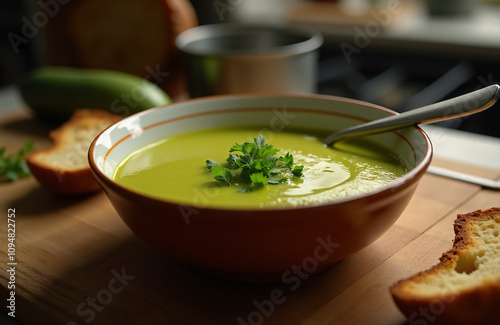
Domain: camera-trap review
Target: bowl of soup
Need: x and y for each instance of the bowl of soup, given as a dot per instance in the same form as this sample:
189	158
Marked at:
241	186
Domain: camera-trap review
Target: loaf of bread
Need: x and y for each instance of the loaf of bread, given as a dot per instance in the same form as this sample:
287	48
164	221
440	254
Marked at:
464	287
133	36
64	168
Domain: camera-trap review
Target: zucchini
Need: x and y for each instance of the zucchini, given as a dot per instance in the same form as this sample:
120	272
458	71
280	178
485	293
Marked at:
54	93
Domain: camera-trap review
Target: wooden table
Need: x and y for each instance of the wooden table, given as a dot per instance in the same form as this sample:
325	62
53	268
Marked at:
78	263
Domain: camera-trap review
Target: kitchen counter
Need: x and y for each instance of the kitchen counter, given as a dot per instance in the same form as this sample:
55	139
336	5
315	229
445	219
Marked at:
395	26
78	263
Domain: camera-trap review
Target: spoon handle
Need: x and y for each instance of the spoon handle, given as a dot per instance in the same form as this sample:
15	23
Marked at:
467	104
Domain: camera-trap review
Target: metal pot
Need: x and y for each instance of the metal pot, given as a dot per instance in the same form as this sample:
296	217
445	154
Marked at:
239	58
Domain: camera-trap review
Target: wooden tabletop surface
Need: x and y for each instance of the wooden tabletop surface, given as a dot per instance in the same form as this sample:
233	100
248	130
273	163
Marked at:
77	263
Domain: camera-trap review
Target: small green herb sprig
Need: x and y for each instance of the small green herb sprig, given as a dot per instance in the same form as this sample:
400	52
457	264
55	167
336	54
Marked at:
13	167
257	165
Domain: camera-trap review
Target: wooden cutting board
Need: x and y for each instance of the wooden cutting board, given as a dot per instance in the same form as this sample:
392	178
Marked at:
77	263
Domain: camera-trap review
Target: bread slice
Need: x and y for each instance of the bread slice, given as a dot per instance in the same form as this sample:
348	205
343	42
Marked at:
133	36
64	168
464	287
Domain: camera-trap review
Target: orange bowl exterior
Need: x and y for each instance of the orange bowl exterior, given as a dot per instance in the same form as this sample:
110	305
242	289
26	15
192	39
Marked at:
261	245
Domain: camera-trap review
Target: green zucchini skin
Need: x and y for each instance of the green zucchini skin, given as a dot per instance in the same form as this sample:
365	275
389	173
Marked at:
54	93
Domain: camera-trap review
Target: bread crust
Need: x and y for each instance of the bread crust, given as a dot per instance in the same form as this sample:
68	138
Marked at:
58	177
477	305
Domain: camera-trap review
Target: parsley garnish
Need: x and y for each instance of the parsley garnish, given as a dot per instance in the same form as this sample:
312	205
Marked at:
256	165
222	175
13	167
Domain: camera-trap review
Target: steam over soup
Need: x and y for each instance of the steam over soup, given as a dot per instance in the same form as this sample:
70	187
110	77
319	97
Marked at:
174	169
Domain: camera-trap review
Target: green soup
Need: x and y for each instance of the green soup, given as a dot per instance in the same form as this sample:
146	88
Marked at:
174	169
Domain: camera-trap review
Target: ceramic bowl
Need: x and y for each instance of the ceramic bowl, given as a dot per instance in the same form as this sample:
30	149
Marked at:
258	244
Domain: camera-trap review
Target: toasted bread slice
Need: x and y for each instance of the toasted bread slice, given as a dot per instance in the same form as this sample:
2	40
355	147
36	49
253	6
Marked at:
464	287
64	168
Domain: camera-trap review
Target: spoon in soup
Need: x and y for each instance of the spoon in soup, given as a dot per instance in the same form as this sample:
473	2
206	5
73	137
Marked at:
467	104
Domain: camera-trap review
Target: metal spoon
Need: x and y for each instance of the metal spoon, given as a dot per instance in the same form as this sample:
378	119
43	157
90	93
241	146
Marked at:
467	104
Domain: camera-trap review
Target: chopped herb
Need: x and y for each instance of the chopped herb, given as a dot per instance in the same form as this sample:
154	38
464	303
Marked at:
272	180
222	174
254	166
211	163
297	170
288	159
13	167
258	179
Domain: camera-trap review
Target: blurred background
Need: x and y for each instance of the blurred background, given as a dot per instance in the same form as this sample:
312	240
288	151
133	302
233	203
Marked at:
400	54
